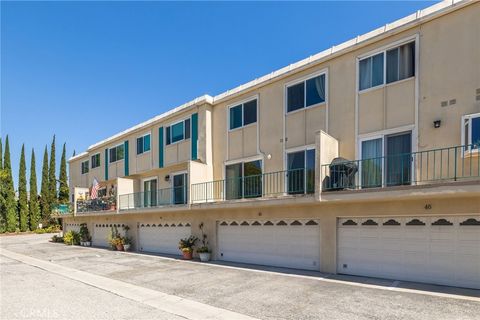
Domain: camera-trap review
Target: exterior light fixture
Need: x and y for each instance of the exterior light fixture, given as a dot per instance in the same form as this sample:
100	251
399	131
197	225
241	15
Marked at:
437	123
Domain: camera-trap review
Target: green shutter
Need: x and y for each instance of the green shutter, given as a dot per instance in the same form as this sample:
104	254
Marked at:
126	157
106	164
194	138
160	147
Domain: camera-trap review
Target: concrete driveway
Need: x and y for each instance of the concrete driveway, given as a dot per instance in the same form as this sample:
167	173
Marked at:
211	290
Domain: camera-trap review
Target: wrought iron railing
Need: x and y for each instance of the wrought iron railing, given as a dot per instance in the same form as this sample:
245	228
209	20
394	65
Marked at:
416	168
108	203
154	198
290	182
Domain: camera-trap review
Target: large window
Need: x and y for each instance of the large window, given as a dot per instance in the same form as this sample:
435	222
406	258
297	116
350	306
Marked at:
178	131
143	144
386	160
116	153
85	167
371	71
95	160
301	171
471	133
306	93
243	114
400	64
243	180
180	190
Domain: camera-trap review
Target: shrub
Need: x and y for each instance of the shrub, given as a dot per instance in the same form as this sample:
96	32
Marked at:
84	234
56	238
187	244
71	238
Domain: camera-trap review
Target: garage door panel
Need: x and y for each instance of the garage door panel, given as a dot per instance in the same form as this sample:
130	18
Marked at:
275	243
101	233
163	237
426	249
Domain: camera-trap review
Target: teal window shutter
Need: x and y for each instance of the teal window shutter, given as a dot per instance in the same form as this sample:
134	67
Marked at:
194	139
161	151
106	164
126	157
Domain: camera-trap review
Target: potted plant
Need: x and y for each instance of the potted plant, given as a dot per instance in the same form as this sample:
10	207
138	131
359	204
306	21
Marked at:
127	243
119	243
115	240
186	246
85	239
204	251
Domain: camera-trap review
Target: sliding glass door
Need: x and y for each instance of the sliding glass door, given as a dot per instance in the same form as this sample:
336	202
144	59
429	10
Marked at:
398	149
243	180
386	161
180	190
150	193
301	172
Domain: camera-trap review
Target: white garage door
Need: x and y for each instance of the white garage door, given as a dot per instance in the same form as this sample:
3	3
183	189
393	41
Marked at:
281	243
162	237
101	232
440	250
72	226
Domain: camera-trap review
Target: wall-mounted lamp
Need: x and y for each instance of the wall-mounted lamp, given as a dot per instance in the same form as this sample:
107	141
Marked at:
437	123
167	177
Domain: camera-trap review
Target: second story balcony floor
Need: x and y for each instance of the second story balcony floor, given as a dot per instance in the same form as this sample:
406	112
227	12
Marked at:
305	182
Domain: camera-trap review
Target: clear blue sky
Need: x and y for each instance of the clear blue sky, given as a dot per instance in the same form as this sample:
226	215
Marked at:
64	64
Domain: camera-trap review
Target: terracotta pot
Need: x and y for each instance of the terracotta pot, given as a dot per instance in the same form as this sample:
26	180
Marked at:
113	207
119	247
187	255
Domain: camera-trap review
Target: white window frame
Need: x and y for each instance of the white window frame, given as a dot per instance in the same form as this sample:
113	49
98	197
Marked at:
109	158
242	161
241	103
136	145
187	186
294	150
174	123
384	49
304	80
99	160
468	140
382	135
88	166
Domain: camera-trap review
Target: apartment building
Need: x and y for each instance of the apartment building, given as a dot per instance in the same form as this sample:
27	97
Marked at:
362	159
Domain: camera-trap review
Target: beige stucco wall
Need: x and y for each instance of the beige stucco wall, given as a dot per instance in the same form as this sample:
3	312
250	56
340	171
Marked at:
326	213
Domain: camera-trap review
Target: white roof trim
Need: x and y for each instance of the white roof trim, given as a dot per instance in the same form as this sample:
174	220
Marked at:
435	9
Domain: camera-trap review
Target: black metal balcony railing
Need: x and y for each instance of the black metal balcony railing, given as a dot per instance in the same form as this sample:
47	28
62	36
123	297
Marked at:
290	182
108	203
154	198
422	167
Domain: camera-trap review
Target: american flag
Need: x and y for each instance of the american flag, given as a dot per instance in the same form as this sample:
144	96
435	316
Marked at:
95	187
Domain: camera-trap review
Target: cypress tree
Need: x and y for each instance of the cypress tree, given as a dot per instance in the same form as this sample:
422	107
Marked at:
44	191
33	206
9	191
52	180
63	188
22	193
3	225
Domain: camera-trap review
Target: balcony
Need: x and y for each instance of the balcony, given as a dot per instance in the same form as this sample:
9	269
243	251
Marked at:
267	185
458	163
168	197
101	204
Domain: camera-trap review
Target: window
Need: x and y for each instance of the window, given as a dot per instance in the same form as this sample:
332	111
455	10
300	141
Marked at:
178	131
371	71
301	172
243	180
306	93
243	114
400	64
180	190
386	160
85	167
471	133
95	161
143	144
116	153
